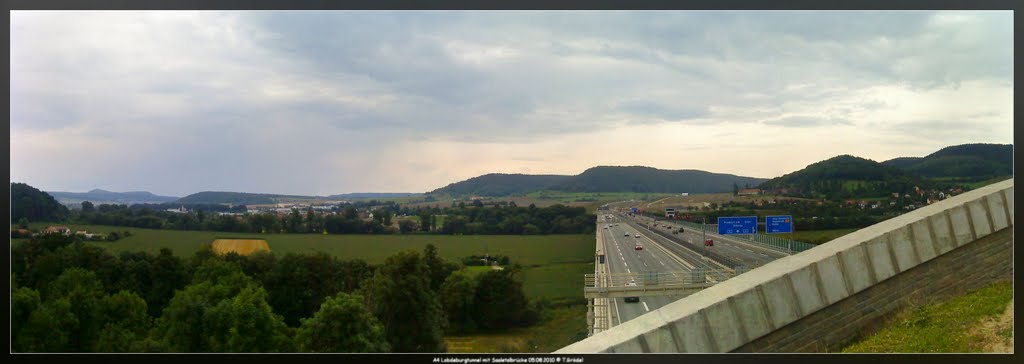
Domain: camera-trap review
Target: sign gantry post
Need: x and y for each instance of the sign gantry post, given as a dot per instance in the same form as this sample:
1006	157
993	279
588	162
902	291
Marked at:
780	224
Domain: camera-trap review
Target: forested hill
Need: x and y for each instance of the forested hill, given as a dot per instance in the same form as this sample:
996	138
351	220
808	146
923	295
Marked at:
98	196
967	162
235	198
500	184
647	179
34	205
843	177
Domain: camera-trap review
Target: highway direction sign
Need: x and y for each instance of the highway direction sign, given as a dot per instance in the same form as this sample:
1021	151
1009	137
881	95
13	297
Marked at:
737	225
778	224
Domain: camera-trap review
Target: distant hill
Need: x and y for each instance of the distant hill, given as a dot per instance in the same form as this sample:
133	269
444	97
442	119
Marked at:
35	205
500	184
358	195
845	176
236	198
967	162
647	179
98	196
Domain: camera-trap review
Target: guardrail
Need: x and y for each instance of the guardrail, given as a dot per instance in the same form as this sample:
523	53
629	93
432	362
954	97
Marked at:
773	242
720	258
645	279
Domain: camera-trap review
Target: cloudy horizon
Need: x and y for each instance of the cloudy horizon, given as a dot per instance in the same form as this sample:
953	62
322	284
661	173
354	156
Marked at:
332	102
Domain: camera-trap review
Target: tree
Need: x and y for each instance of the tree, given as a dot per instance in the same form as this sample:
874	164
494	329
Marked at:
23	302
399	295
88	206
350	213
49	328
500	302
125	321
299	283
293	223
23	223
735	189
438	268
245	323
169	274
382	216
221	310
342	325
425	220
457	295
406	226
83	291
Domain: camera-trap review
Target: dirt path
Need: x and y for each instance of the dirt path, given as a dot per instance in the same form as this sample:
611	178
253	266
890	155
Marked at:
998	332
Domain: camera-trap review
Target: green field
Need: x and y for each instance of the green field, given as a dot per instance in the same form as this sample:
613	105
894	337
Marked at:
558	280
975	322
523	249
558	328
820	236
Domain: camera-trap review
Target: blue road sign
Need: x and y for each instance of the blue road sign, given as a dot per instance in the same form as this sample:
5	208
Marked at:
633	209
778	224
737	225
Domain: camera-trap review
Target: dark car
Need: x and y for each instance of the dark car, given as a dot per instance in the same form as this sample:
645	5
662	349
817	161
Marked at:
709	242
632	283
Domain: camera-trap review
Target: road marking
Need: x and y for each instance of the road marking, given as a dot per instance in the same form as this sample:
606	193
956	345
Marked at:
615	303
749	250
628	271
645	306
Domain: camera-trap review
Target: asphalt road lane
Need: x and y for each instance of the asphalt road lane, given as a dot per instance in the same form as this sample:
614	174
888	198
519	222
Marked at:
622	257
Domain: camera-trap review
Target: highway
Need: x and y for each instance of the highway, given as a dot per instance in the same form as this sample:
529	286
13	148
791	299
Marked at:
621	257
750	255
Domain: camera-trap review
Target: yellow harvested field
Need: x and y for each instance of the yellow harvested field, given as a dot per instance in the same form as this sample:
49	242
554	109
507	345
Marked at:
240	246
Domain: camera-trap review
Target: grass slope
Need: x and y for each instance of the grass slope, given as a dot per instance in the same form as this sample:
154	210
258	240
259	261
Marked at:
947	327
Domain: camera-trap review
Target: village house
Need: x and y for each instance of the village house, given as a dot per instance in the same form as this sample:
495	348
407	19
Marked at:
57	230
85	234
748	192
180	210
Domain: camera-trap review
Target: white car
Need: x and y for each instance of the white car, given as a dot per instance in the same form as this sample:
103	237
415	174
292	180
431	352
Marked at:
637	236
627	234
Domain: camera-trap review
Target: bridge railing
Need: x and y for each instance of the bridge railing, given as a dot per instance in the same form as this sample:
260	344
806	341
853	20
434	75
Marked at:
661	279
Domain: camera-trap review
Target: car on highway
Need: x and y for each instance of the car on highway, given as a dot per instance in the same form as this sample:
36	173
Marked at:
638	247
632	283
709	242
637	236
627	234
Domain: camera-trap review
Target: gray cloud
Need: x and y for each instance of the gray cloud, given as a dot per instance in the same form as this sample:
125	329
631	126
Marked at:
274	94
807	121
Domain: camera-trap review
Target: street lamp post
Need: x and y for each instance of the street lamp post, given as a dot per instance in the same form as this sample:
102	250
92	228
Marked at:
703	234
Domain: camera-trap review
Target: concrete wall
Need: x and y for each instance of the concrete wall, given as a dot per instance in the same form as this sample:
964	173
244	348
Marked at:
822	297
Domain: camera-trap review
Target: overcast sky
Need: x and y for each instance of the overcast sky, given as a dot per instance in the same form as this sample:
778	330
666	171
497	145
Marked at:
327	102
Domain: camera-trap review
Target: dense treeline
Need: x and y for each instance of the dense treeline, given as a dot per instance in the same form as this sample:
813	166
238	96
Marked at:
460	219
31	204
555	219
71	297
